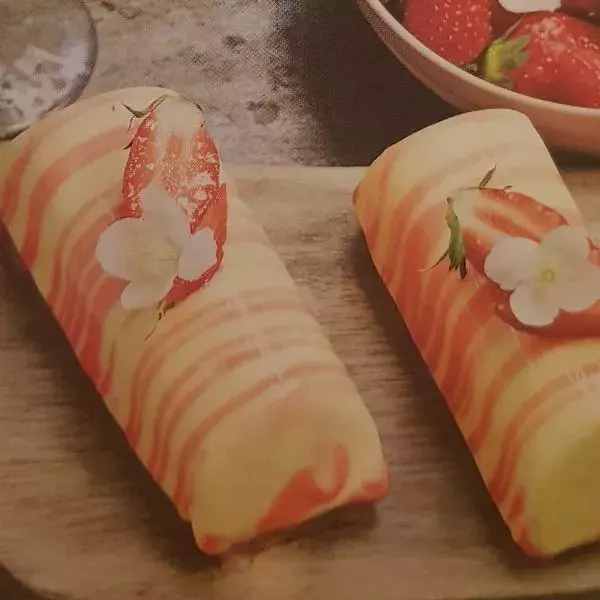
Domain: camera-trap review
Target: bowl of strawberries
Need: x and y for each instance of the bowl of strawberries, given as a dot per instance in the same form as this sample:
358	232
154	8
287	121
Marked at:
540	57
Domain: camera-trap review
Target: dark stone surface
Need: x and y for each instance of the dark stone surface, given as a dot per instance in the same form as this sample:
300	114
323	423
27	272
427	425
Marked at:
283	81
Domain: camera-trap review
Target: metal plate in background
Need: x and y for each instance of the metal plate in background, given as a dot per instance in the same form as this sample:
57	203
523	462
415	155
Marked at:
48	51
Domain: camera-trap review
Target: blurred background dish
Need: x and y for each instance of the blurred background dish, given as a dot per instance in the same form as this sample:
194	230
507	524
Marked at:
562	126
48	51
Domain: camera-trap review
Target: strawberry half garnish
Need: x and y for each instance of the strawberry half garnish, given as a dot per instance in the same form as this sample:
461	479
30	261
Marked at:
172	145
170	229
457	30
481	216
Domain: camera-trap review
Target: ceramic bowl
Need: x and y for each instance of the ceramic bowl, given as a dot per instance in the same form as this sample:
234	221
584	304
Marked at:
562	127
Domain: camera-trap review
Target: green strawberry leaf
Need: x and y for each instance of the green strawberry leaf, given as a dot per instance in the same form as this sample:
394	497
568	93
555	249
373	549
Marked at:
485	181
137	114
140	114
504	56
456	245
455	253
487	178
440	260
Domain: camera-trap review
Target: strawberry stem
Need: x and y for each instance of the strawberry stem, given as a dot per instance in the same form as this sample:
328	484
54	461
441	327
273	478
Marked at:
456	251
140	114
163	308
456	247
482	185
504	56
487	178
136	114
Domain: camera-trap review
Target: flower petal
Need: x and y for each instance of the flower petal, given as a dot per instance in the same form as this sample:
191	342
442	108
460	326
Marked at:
117	243
512	261
532	305
146	292
133	249
165	214
527	6
198	255
566	243
580	290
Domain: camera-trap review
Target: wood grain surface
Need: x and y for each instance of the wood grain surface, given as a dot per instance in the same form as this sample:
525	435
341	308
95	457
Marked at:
80	518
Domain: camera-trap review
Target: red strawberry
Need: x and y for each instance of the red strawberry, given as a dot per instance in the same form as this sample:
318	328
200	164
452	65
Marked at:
457	30
582	8
480	216
529	59
214	216
172	147
579	78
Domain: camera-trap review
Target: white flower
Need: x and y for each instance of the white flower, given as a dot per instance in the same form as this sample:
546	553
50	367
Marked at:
548	277
152	251
528	6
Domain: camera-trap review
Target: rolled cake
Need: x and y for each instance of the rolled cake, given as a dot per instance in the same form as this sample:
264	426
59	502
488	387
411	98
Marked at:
185	318
485	254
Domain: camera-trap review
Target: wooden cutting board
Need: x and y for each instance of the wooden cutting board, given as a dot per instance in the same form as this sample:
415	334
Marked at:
79	516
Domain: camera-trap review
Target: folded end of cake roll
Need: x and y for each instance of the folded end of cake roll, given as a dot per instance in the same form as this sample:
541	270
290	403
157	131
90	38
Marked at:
487	258
308	449
557	508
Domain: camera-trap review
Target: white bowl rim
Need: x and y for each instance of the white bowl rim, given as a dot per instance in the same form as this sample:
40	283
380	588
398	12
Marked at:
563	109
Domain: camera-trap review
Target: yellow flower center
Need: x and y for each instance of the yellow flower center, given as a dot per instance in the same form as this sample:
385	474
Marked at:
547	275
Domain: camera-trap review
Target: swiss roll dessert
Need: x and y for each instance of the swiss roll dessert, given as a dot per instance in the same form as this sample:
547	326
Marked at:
489	262
184	317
